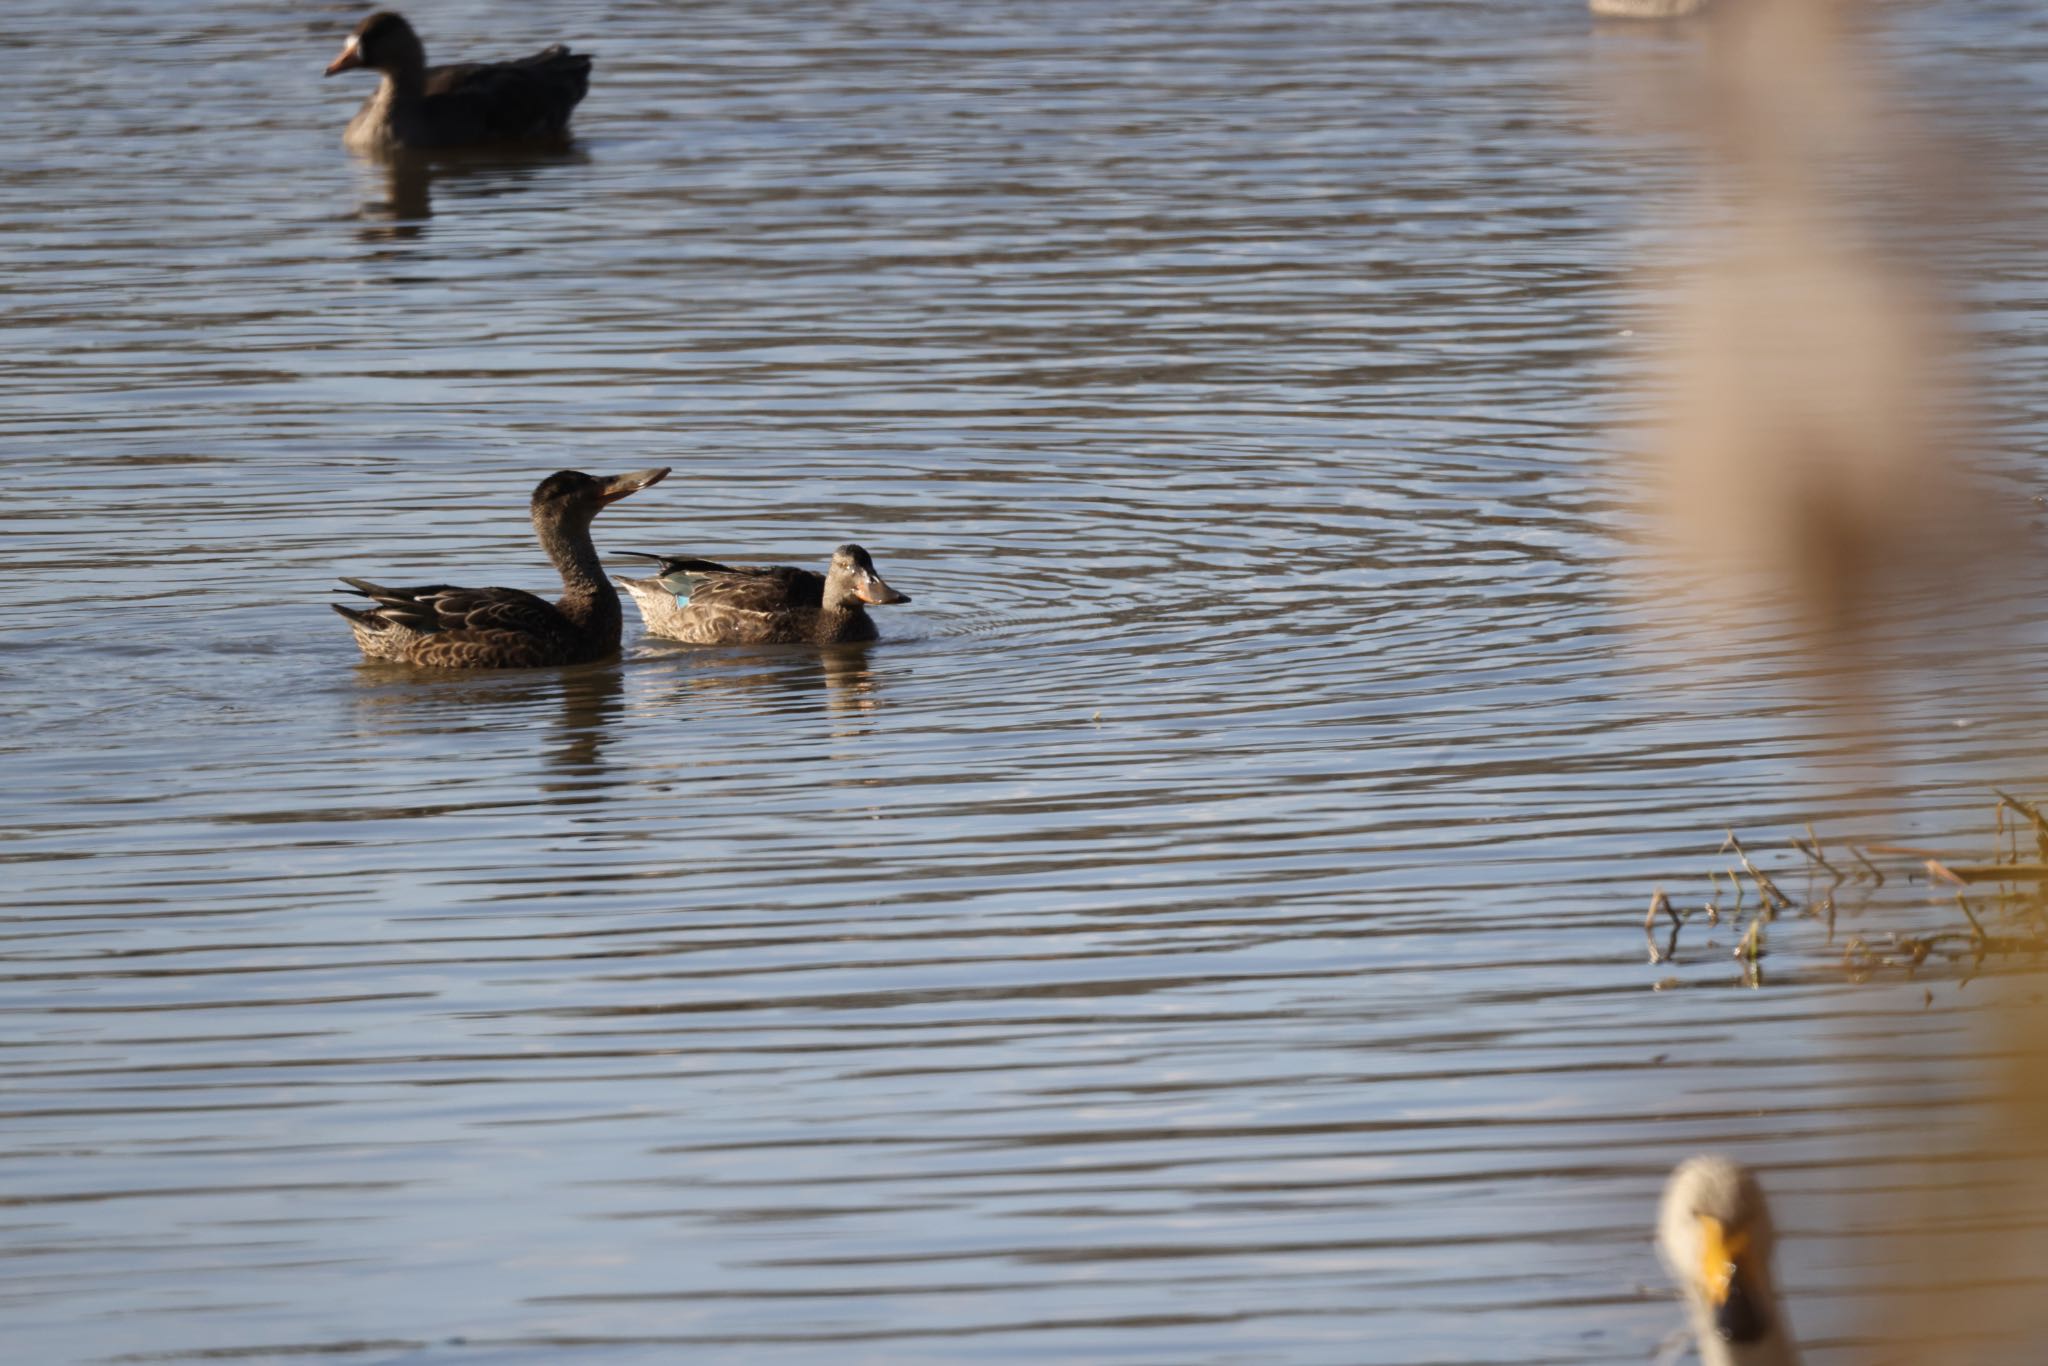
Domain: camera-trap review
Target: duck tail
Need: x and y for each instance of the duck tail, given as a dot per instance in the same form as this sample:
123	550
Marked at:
377	636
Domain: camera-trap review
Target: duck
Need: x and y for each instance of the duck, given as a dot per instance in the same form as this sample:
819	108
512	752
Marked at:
1714	1235
469	104
443	627
703	602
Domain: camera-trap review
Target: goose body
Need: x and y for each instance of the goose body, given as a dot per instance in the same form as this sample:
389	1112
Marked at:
469	104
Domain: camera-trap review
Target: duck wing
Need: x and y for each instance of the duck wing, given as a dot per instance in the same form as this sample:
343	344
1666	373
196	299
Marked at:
438	609
508	101
677	564
748	588
769	589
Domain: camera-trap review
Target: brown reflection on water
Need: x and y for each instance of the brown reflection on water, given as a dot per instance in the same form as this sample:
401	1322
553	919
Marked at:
403	201
585	704
768	681
408	201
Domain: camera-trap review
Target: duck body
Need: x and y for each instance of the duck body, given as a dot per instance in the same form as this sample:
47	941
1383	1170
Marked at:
442	626
702	602
469	104
1715	1236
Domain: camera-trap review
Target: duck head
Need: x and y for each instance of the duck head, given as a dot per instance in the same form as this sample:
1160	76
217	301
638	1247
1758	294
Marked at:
573	497
852	578
1715	1236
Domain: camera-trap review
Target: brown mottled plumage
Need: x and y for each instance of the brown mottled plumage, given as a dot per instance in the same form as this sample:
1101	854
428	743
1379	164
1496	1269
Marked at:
466	105
706	603
505	628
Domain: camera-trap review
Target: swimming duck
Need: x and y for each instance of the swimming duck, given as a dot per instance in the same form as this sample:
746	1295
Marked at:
469	104
706	603
505	628
1714	1233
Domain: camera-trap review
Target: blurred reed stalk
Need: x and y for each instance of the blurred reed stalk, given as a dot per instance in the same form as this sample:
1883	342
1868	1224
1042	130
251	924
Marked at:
1813	466
1813	454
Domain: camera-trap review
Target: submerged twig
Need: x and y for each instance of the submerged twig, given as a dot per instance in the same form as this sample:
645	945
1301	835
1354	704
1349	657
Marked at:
1971	916
1750	952
2020	903
1660	902
1774	899
1812	850
2032	813
1995	872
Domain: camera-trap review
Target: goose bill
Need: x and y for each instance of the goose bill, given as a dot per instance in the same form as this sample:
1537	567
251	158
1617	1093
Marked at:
351	57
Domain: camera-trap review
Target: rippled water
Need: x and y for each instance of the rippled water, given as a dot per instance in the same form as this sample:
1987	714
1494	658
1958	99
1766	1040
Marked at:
1201	930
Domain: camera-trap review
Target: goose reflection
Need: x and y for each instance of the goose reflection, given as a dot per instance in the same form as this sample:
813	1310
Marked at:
407	204
398	196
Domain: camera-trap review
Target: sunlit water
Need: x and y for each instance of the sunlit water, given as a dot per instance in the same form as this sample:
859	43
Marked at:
1202	930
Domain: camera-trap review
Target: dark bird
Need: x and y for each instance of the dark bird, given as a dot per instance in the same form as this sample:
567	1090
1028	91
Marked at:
505	628
705	603
466	105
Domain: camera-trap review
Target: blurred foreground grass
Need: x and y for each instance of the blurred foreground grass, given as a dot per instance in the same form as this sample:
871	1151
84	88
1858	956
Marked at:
1820	446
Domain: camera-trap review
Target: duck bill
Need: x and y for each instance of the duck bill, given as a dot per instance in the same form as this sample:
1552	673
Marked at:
870	589
351	57
621	485
1729	1273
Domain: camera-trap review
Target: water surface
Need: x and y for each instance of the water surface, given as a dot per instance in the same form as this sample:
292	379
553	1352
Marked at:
1201	930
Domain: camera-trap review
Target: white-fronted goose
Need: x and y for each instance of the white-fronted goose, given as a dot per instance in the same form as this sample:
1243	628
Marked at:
471	104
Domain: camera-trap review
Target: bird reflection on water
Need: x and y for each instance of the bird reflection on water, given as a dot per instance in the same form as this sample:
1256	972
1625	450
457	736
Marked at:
770	680
585	709
397	195
579	706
